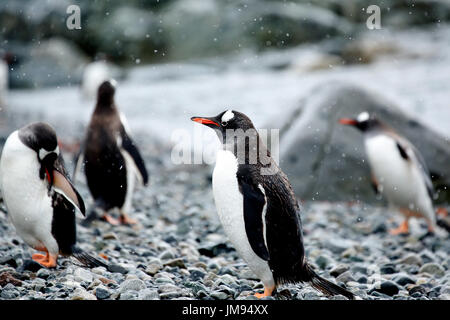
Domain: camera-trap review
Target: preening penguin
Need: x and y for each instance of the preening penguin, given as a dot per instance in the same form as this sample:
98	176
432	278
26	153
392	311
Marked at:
112	161
399	171
257	207
39	195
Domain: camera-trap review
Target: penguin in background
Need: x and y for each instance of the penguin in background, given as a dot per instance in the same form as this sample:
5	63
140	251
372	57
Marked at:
111	159
258	210
399	172
41	200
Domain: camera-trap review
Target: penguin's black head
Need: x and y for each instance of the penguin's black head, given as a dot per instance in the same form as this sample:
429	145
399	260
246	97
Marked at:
105	93
227	120
41	138
364	122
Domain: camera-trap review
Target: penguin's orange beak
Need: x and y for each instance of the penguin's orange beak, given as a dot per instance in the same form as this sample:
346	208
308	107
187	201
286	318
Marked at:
348	121
205	121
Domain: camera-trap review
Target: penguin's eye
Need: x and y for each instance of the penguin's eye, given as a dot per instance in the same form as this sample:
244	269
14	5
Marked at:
224	123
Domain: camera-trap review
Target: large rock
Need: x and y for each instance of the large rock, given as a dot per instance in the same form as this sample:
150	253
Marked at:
209	27
326	161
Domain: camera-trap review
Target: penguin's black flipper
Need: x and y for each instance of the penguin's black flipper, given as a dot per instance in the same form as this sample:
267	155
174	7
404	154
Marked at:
86	259
129	146
326	286
254	201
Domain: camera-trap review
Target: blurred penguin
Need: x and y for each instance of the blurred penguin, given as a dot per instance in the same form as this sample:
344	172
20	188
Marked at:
112	161
399	172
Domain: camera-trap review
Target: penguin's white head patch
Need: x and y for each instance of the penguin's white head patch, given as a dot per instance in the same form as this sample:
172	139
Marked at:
227	116
43	153
363	116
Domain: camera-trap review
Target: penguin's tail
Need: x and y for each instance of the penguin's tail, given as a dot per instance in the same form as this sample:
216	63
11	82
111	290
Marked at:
326	286
86	259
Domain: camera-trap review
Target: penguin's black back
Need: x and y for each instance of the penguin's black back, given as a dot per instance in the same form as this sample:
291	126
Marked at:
283	224
105	167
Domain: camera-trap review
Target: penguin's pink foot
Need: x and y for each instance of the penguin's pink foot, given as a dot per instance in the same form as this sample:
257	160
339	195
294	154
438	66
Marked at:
50	262
38	257
125	219
404	228
106	217
267	292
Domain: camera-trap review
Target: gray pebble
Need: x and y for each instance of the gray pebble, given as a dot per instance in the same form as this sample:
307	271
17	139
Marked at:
131	284
433	269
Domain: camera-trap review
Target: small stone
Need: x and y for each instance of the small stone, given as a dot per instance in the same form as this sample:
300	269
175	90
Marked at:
339	269
82	294
148	294
166	255
116	268
339	245
386	287
38	284
403	279
9	294
196	274
323	261
110	236
433	269
195	287
153	268
163	280
411	259
81	274
417	289
219	295
6	278
388	268
43	273
345	277
167	288
129	295
8	260
170	295
176	263
132	284
30	265
102	293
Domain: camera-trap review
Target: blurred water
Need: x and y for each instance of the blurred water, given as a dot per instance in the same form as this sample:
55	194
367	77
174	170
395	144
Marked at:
159	99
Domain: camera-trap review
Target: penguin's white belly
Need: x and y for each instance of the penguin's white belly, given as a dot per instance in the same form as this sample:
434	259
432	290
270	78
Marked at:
131	177
230	208
25	195
401	181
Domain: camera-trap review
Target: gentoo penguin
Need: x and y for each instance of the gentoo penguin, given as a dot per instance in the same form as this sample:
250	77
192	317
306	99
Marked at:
39	195
399	171
258	208
111	159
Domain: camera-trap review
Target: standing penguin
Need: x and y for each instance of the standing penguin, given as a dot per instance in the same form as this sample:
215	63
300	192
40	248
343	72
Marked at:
39	196
398	170
111	158
258	208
